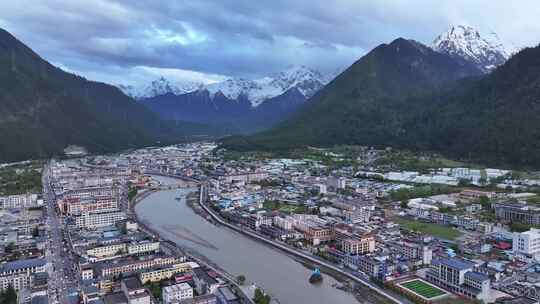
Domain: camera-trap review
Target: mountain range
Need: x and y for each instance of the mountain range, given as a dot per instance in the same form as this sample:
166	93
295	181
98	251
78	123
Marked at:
461	97
408	95
44	109
243	104
236	102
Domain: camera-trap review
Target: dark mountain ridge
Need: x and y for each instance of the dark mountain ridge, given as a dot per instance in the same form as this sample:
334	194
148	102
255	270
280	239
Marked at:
364	104
404	96
44	109
239	114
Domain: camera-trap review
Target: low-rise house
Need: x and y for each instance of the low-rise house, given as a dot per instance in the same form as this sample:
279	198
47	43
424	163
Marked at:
204	283
134	292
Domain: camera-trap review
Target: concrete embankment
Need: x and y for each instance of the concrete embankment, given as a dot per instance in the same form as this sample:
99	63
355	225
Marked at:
172	248
295	252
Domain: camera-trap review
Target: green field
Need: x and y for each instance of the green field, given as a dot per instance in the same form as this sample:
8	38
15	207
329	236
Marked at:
422	288
274	205
439	231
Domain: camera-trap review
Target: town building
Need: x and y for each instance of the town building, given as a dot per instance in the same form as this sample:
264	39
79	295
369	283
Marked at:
160	273
362	245
93	220
19	201
176	292
20	273
527	243
135	292
517	212
459	277
416	252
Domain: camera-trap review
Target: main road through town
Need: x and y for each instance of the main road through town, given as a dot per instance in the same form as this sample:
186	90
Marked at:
62	278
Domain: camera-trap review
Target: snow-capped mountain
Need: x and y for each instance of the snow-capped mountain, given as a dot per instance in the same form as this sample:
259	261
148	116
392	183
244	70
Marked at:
486	52
256	91
246	104
160	86
306	80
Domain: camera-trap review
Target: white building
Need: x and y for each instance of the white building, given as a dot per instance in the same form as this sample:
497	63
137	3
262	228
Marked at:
416	252
93	220
19	201
176	292
527	242
286	223
322	188
358	215
336	182
358	245
19	273
142	247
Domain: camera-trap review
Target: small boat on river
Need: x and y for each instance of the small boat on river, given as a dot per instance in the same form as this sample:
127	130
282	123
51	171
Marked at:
316	276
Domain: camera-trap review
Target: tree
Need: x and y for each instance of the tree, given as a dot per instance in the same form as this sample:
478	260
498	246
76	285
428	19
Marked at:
35	231
241	279
132	192
10	247
482	181
464	182
519	227
485	202
261	297
154	288
8	296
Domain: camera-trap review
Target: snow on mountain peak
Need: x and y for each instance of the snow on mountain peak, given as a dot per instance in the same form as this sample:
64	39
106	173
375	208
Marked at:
487	52
160	86
306	80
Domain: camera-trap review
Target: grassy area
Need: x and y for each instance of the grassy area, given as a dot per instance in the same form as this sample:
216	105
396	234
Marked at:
439	231
422	191
455	300
424	289
20	179
274	205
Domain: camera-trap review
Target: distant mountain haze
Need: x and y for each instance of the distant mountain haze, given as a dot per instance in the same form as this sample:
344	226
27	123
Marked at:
247	105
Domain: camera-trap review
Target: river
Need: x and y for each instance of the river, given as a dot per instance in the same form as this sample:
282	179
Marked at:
284	278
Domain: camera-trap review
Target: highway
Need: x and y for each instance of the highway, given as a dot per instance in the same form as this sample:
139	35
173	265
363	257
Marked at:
62	277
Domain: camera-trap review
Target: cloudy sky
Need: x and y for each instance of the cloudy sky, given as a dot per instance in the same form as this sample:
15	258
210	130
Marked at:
133	41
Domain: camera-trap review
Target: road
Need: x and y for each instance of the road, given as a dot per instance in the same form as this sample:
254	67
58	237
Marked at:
62	276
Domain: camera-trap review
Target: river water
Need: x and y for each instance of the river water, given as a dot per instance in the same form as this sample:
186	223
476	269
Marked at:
280	275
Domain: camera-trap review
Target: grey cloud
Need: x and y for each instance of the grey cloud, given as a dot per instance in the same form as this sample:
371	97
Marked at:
244	37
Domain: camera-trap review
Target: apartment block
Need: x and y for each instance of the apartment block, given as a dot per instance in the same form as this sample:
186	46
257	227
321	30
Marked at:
93	220
176	292
459	277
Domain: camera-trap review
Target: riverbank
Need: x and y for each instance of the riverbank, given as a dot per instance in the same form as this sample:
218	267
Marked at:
360	292
173	248
364	290
327	266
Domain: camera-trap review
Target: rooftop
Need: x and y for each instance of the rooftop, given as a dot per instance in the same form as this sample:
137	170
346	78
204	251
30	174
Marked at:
477	276
22	264
454	263
132	283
